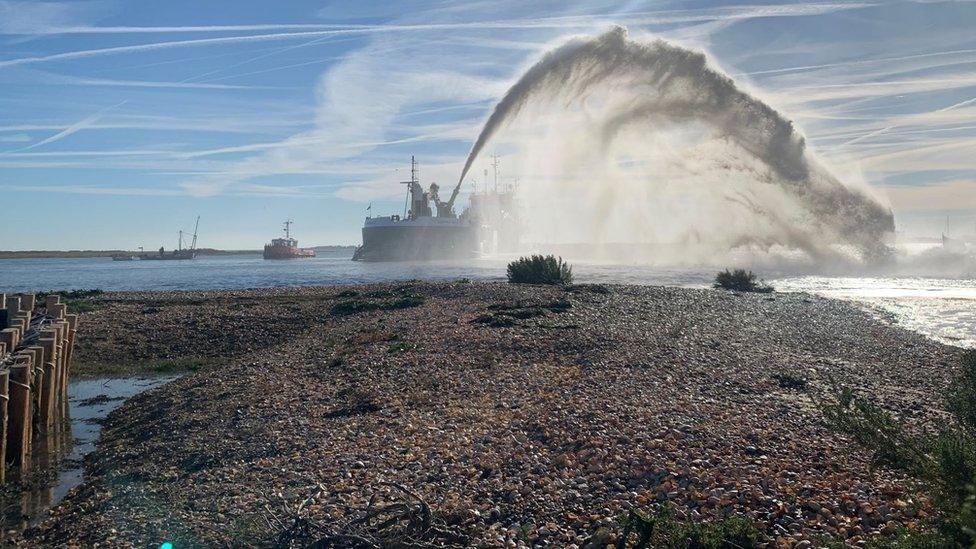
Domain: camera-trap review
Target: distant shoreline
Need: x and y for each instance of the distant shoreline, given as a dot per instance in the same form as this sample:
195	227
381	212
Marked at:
76	254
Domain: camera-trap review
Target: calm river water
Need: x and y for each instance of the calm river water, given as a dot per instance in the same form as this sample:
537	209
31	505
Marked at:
943	308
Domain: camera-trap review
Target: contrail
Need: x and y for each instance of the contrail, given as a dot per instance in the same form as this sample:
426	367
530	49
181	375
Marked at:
646	18
856	63
258	58
164	45
650	17
163	30
77	126
904	121
75	81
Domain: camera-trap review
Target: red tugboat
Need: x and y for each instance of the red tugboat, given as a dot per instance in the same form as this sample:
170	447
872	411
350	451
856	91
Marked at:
287	247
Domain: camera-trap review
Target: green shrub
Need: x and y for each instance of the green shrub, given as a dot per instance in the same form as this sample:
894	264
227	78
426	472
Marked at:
666	531
377	302
72	294
539	269
943	460
400	347
77	301
740	280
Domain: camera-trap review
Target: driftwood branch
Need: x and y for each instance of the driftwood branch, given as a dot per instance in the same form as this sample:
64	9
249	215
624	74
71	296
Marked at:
394	517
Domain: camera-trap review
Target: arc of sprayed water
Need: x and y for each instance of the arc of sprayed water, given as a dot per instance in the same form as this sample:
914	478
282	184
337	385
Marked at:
686	87
552	63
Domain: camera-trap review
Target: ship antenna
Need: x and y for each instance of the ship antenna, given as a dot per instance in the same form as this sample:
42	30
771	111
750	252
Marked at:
287	225
494	169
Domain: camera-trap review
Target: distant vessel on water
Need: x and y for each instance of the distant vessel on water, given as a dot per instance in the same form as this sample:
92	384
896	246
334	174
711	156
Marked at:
422	234
180	252
952	244
287	247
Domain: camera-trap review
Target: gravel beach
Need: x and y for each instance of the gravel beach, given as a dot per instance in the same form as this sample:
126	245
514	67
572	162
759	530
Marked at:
516	415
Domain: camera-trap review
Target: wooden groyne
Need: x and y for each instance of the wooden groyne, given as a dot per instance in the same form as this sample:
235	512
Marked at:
36	348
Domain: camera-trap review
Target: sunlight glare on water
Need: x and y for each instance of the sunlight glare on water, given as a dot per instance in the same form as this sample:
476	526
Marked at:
944	309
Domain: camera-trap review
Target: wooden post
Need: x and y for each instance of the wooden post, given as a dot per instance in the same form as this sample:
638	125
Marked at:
26	315
55	358
58	310
13	305
69	361
73	330
49	380
9	336
18	408
37	386
4	377
27	302
19	325
52	299
26	357
65	353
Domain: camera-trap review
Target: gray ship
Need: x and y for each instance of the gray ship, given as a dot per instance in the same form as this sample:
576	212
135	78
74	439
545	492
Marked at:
422	233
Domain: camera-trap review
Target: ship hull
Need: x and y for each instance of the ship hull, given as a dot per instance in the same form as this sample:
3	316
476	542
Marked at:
406	242
168	256
282	252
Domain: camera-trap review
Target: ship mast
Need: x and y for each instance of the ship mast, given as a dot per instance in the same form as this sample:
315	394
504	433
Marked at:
193	246
287	226
414	178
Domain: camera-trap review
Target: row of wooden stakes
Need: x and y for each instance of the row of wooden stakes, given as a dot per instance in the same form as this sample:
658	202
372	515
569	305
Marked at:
36	347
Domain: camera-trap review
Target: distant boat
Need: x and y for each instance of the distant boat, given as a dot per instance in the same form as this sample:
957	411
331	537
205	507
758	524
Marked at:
124	257
287	247
180	252
952	244
422	234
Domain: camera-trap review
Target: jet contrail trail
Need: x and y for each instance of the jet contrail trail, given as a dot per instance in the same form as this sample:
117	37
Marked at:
904	121
659	16
163	30
163	45
258	58
77	126
856	63
645	18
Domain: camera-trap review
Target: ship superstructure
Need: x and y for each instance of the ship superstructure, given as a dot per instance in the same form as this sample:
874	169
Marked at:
429	229
497	213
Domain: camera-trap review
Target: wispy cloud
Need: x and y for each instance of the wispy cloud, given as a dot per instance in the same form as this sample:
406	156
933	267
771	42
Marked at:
91	189
29	17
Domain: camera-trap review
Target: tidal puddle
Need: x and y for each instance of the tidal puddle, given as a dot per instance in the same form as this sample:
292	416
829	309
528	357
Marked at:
57	463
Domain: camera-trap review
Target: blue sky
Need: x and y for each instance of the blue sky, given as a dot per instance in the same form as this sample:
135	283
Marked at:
121	120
